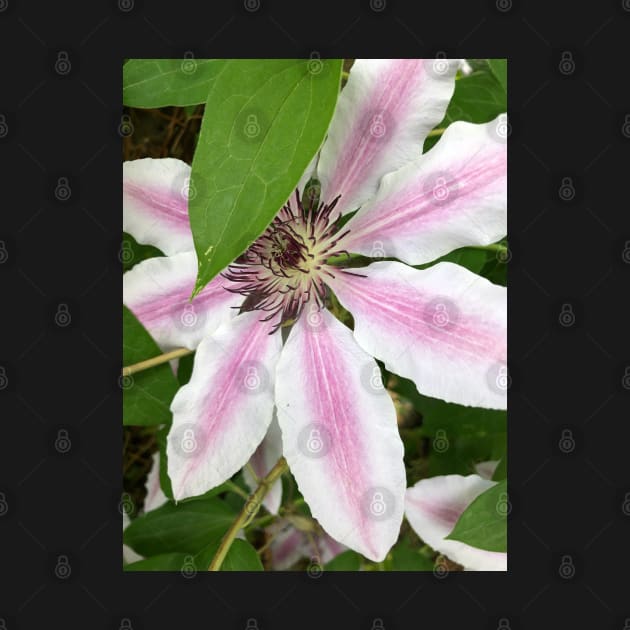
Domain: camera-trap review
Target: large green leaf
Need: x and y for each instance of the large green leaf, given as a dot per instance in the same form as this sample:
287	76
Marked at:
160	82
240	557
147	395
187	527
499	69
264	121
162	562
484	522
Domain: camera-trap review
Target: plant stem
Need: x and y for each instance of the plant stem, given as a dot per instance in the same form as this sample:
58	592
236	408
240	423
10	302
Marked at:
345	75
250	509
230	485
495	247
149	363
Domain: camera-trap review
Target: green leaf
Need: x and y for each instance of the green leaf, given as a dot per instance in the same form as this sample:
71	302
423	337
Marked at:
470	257
404	557
499	69
184	369
459	436
161	82
147	395
240	557
162	562
264	121
187	527
165	480
501	469
478	98
131	252
484	524
346	561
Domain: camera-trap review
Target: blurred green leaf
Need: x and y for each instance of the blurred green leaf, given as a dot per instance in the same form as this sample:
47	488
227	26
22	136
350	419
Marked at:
264	121
407	558
153	83
147	395
346	561
484	524
184	369
501	469
187	527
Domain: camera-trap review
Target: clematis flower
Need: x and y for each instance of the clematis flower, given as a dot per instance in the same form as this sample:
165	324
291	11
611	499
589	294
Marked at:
443	327
434	505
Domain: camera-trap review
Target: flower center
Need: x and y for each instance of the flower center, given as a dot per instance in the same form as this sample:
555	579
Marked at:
283	271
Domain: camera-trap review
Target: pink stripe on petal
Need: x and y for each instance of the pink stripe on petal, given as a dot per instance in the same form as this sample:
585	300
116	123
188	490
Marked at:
434	505
157	291
155	203
443	327
340	435
381	120
222	414
453	196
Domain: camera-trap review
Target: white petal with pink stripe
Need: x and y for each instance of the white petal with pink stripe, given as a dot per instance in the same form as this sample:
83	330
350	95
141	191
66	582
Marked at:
434	505
155	203
340	436
382	117
158	290
444	327
453	196
223	413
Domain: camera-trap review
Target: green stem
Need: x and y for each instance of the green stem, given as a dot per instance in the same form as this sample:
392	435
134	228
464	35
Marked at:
149	363
250	509
230	485
495	247
345	75
436	132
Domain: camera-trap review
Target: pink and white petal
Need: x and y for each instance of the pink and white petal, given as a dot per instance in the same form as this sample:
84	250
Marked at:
222	414
444	327
453	196
486	469
288	545
155	497
340	436
155	203
383	115
262	461
434	505
157	291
